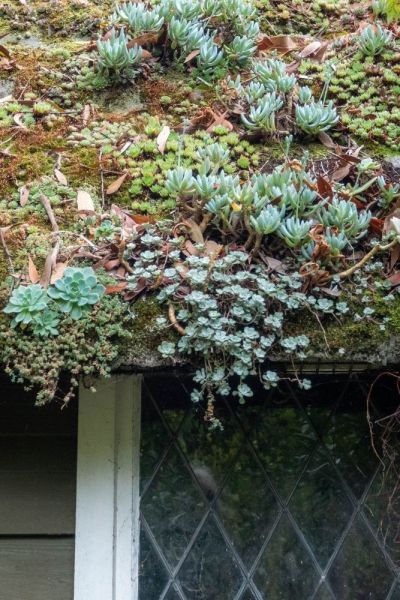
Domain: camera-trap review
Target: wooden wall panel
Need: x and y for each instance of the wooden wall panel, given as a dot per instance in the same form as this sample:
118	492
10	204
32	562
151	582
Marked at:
37	485
36	569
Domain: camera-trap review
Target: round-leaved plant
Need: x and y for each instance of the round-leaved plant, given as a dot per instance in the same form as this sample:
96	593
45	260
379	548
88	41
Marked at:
77	291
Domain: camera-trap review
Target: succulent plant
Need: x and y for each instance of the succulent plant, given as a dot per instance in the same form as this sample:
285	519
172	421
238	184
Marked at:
27	303
46	324
114	55
262	116
179	181
240	50
374	39
305	95
294	231
76	291
344	216
210	56
267	221
138	18
316	117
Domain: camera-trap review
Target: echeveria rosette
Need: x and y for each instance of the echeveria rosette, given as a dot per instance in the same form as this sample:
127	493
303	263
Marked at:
77	291
27	303
46	324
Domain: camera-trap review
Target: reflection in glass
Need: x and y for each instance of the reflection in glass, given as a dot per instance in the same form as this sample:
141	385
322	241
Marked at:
210	572
320	506
173	506
285	570
152	575
265	502
359	570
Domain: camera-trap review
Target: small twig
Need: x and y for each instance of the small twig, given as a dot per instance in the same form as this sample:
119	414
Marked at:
173	320
365	259
103	191
49	265
75	235
124	263
47	206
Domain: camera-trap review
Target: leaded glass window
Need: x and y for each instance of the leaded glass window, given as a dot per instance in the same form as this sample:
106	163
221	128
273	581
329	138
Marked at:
288	501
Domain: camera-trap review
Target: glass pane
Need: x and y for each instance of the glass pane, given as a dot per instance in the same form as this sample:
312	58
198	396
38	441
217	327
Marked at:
348	439
359	570
323	593
320	506
172	595
152	575
396	594
286	570
247	507
210	572
247	595
283	440
382	508
173	506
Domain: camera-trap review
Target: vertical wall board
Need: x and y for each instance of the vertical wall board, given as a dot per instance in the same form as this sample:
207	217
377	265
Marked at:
107	514
95	494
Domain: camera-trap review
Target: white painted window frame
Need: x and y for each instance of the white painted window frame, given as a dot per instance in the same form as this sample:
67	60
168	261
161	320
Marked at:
107	506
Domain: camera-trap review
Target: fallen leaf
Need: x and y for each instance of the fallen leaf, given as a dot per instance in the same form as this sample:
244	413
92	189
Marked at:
342	172
115	185
376	225
213	249
310	49
33	273
58	271
5	51
162	138
86	114
282	43
18	120
60	177
194	231
117	288
112	264
23	195
192	55
394	256
191	249
50	263
324	187
327	141
142	219
149	38
85	202
6	98
395	279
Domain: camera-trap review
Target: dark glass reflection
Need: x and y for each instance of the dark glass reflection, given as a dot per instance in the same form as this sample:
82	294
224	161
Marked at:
276	506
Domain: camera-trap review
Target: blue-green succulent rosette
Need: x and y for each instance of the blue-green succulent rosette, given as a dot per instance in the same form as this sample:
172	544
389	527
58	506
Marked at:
77	291
26	304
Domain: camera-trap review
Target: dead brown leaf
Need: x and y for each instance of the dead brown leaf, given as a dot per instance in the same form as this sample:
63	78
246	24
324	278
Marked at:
115	185
60	177
281	43
33	273
23	195
58	271
117	288
192	55
85	202
162	138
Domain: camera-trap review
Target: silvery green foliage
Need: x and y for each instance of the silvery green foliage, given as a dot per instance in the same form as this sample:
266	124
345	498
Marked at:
283	204
137	17
374	39
26	304
344	216
115	58
233	314
389	192
269	97
77	291
46	324
315	117
193	26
